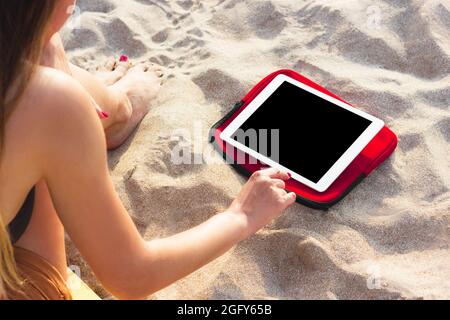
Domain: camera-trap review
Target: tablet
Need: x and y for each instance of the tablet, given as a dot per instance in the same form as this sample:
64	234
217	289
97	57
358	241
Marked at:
303	131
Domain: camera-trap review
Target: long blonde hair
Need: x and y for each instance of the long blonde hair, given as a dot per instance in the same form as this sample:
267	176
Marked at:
8	273
23	26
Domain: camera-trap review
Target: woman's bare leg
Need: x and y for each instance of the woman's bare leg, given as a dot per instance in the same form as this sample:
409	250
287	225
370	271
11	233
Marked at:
141	84
112	102
125	101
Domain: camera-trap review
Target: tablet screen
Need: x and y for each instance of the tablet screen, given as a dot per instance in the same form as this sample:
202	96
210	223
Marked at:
313	132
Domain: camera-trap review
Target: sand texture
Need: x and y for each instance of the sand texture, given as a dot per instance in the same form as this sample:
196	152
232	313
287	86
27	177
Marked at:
389	238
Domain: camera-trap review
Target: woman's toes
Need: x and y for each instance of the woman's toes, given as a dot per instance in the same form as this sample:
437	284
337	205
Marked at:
107	66
156	67
137	68
116	71
158	70
122	67
145	67
110	64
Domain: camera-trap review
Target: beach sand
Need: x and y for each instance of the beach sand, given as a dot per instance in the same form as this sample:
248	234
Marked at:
388	239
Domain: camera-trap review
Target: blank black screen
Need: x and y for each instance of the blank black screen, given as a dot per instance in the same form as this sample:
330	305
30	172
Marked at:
313	132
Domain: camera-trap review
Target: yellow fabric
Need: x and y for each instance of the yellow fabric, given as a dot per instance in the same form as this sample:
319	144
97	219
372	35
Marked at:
79	289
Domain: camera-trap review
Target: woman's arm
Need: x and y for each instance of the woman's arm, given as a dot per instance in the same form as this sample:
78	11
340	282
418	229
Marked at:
261	200
75	168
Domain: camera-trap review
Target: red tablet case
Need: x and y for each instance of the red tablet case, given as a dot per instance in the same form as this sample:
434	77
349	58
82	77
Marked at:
378	150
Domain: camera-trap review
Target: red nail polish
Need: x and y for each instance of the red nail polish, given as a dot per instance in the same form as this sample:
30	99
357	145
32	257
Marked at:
104	115
123	58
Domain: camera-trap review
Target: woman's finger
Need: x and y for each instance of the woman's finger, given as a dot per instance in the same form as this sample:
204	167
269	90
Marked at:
279	183
289	199
275	173
281	192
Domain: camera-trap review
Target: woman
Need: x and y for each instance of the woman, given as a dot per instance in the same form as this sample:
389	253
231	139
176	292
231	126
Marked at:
54	144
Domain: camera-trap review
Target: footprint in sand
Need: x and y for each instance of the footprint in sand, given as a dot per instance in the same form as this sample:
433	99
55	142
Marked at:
220	88
269	22
103	6
122	39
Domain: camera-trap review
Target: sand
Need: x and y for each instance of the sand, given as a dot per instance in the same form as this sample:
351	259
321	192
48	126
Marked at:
389	239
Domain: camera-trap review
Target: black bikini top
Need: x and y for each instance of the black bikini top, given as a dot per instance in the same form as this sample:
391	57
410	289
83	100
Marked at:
20	223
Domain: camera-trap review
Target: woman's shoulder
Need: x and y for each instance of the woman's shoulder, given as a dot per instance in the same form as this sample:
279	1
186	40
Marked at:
53	119
53	99
51	90
56	110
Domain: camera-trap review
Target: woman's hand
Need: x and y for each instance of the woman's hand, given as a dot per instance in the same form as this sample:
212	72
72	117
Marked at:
262	199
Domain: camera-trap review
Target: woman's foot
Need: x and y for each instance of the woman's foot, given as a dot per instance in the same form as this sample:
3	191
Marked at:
140	85
112	71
